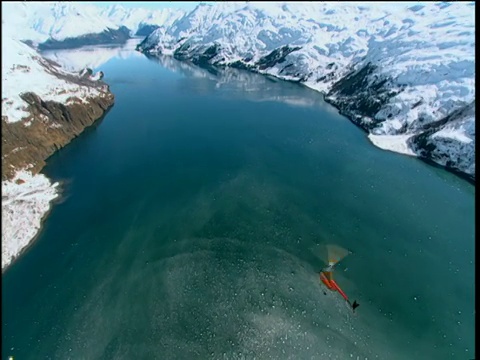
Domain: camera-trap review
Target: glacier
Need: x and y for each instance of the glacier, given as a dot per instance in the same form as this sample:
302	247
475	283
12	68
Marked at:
403	72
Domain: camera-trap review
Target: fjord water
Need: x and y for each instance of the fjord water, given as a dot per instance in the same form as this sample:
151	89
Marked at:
191	222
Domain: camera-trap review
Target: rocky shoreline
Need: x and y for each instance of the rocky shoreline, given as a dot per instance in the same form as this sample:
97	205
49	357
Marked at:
360	100
28	196
412	142
53	125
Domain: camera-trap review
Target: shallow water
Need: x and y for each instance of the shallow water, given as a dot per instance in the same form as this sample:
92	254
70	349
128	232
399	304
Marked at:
192	220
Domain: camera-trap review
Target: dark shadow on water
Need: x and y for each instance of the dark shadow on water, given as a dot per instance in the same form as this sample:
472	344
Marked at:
89	129
470	179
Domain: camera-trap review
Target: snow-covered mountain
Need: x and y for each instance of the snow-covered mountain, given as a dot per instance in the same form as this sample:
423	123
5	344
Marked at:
59	25
141	21
404	73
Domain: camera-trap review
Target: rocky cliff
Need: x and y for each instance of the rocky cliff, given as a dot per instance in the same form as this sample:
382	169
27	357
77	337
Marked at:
52	126
44	107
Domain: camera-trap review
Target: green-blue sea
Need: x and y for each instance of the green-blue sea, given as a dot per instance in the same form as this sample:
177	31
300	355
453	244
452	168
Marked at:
192	222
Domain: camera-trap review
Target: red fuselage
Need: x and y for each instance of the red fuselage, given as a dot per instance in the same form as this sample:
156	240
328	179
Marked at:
326	278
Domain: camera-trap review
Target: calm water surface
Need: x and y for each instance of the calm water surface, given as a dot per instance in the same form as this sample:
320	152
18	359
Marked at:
191	221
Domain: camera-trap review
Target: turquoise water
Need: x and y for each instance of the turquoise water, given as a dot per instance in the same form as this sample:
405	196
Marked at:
191	222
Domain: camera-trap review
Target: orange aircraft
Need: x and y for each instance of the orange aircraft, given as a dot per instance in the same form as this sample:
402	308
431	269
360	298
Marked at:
335	254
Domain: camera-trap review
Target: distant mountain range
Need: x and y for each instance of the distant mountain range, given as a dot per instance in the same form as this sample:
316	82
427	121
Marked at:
58	25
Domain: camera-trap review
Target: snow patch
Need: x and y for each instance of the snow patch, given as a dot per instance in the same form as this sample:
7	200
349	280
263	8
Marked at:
25	201
449	133
396	143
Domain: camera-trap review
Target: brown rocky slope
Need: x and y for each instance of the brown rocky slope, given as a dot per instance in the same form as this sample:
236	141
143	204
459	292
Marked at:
49	127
